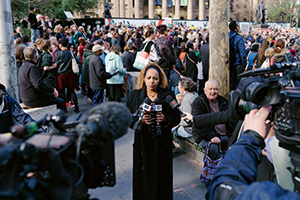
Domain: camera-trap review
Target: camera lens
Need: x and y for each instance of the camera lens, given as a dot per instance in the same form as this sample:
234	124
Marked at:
262	94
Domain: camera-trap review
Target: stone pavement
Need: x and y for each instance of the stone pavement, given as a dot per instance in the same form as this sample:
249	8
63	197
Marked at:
186	170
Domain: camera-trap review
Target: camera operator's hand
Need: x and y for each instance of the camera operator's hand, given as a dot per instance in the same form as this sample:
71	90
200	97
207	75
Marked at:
256	120
215	140
146	119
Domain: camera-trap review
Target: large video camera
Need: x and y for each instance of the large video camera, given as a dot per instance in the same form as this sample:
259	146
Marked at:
77	154
278	86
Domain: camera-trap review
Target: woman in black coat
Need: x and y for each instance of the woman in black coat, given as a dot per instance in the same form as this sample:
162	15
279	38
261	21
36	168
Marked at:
191	63
152	152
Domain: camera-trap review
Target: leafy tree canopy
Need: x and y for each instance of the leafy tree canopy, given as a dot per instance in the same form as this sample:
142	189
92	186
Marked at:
51	8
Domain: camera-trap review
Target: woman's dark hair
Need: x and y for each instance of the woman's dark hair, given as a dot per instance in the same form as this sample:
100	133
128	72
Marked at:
25	39
190	45
64	42
161	29
188	84
177	52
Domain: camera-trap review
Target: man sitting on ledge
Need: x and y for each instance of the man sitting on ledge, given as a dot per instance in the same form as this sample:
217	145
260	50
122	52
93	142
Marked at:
34	91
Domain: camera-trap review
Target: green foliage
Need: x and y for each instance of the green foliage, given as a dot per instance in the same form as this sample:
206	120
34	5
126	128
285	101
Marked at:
284	11
51	8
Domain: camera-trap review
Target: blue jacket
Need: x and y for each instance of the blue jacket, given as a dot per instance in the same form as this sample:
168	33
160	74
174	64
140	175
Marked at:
114	63
240	49
235	178
10	112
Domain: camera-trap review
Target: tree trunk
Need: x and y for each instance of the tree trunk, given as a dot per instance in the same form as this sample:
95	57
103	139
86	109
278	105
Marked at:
218	44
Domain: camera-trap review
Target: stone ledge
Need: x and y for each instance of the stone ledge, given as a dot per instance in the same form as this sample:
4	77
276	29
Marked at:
191	148
39	112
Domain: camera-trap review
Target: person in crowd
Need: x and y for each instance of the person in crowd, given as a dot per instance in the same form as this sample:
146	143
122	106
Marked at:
98	75
129	58
191	60
204	49
138	40
260	56
238	60
176	73
114	62
80	33
19	32
34	91
11	112
279	47
148	42
66	79
152	153
54	22
24	22
32	23
19	56
40	26
38	45
47	66
236	175
129	39
71	38
115	40
183	51
188	88
162	52
82	43
251	57
25	40
211	102
85	81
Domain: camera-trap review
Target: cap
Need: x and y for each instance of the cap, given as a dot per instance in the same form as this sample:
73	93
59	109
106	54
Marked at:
97	47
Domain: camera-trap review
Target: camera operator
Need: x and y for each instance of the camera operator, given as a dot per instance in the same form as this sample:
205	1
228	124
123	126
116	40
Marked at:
211	103
10	112
236	175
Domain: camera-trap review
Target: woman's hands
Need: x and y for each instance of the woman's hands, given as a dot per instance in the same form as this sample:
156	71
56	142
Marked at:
159	118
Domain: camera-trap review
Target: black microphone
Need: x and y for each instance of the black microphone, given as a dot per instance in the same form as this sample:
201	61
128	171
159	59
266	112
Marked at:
112	118
174	104
144	107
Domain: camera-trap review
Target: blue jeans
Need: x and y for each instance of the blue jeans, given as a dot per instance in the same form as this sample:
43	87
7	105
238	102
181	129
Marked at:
98	97
33	35
60	103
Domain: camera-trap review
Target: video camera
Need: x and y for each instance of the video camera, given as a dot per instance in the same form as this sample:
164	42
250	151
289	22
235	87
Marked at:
77	154
278	86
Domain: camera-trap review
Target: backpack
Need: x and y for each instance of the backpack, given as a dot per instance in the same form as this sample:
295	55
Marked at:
232	52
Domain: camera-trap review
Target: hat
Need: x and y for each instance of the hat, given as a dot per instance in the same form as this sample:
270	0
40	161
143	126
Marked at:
31	8
97	47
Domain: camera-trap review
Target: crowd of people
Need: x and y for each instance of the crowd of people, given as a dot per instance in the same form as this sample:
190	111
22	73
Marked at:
176	54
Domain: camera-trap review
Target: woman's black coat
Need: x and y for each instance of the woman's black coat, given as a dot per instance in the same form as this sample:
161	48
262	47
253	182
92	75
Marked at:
192	65
152	154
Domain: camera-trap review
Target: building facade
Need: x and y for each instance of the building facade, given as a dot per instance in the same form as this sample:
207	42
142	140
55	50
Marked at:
240	10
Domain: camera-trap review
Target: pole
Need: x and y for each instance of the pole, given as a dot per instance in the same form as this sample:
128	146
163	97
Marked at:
8	67
218	44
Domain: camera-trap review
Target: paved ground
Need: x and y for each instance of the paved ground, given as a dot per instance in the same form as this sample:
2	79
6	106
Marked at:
186	171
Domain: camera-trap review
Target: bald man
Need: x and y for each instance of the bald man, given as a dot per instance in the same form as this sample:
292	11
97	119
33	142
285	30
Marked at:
211	102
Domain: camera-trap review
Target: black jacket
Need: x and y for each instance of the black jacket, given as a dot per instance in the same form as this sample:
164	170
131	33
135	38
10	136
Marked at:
192	60
152	154
34	91
203	126
65	64
32	20
97	73
128	61
204	49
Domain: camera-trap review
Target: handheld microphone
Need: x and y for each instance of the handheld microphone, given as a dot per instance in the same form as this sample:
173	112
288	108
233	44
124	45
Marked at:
174	105
157	107
144	107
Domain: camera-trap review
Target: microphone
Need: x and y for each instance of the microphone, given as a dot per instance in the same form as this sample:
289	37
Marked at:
174	105
144	107
157	107
112	118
